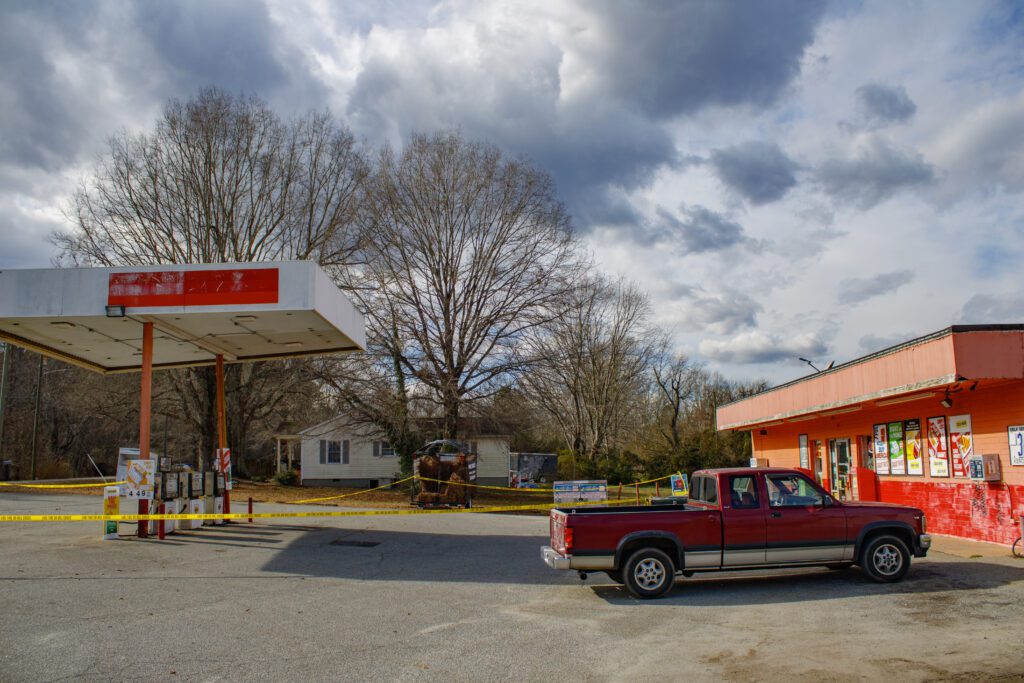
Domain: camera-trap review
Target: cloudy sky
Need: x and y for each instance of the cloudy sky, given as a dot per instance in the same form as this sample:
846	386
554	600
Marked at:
784	178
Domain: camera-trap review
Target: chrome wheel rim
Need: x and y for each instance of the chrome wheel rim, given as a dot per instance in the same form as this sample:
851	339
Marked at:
887	559
649	573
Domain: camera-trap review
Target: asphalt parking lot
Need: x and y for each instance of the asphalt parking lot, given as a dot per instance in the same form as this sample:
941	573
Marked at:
465	597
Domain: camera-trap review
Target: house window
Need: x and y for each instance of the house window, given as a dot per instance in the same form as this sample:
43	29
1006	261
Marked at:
334	452
386	450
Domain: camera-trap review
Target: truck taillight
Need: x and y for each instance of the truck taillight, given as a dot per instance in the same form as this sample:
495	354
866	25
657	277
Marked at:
924	524
567	539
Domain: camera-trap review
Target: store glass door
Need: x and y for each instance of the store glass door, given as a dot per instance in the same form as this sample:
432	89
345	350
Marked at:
840	456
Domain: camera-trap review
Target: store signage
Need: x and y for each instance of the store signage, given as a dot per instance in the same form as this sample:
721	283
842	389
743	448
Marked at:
1016	435
805	458
223	466
193	287
111	506
577	491
141	478
961	445
881	449
680	486
897	458
938	451
912	437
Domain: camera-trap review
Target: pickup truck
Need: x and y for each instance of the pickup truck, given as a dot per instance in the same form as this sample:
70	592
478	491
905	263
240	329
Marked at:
736	519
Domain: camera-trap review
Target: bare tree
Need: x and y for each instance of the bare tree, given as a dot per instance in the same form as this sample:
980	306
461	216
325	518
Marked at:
220	179
469	252
590	365
675	381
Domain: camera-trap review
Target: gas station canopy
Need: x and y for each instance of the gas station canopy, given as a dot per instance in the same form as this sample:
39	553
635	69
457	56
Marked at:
93	317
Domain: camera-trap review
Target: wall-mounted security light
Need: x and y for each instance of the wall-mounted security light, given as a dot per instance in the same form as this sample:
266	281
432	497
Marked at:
946	402
115	311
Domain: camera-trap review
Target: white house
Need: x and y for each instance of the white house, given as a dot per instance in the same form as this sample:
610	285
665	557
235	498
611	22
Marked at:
338	452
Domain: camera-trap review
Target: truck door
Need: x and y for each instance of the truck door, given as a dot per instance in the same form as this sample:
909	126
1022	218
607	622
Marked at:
743	522
801	526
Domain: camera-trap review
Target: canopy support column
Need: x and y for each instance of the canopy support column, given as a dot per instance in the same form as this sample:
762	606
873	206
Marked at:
222	428
145	408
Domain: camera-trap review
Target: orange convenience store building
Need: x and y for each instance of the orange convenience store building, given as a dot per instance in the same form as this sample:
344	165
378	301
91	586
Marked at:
935	422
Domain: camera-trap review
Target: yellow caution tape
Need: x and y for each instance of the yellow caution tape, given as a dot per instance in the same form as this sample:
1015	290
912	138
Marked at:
481	486
349	495
284	515
61	486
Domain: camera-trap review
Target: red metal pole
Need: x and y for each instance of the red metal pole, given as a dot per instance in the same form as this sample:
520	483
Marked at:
620	491
638	493
145	407
657	489
222	423
250	509
161	531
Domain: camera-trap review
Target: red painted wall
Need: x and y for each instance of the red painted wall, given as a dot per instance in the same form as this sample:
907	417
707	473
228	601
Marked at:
954	505
976	510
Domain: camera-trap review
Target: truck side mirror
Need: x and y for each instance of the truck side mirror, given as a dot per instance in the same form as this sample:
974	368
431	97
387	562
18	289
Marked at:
827	501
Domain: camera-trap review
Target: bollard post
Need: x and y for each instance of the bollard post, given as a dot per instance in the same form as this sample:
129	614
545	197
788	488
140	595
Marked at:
620	491
250	509
143	531
657	489
638	493
160	532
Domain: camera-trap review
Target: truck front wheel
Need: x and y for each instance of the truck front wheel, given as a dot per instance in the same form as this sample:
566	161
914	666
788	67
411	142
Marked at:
649	573
885	559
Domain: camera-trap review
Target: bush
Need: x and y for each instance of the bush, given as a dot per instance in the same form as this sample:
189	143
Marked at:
287	478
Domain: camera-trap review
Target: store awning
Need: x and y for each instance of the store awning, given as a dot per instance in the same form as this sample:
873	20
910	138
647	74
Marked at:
913	370
93	317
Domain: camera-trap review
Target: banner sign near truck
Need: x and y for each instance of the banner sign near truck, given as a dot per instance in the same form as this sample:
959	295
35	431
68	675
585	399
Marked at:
680	486
938	449
580	491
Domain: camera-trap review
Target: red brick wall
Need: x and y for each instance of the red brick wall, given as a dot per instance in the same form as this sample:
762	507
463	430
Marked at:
981	511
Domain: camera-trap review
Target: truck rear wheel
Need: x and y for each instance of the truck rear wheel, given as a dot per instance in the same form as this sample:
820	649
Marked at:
649	573
885	559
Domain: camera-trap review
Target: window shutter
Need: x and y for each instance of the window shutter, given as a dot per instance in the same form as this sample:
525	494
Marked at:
323	452
376	449
344	452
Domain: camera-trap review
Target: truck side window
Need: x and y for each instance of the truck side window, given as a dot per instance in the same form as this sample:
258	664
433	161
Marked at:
790	489
743	493
704	490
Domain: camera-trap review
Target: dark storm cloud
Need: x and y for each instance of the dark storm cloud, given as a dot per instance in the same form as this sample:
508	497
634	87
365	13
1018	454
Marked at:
876	172
41	125
760	172
647	63
993	308
858	289
701	229
880	104
227	43
677	57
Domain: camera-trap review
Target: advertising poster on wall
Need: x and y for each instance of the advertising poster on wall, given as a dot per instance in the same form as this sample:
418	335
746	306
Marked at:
1016	434
912	437
897	457
961	443
938	453
881	450
805	458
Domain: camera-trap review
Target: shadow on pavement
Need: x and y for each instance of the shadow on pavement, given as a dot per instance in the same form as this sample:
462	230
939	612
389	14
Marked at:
410	556
805	585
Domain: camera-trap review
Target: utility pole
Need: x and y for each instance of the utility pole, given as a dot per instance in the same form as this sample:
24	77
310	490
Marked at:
35	419
3	394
